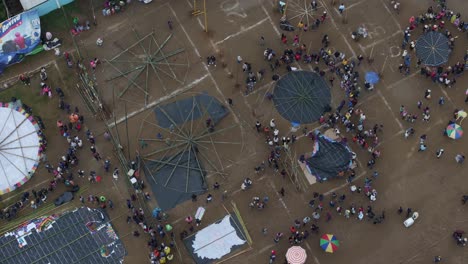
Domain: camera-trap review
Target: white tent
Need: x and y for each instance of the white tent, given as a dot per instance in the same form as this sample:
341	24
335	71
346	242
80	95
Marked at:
19	147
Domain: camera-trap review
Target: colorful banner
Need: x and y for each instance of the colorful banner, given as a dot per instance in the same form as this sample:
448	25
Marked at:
19	35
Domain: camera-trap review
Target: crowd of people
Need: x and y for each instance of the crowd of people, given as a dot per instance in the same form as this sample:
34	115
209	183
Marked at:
338	66
434	20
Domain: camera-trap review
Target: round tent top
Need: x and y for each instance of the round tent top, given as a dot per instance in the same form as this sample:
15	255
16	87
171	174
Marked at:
433	48
301	96
19	147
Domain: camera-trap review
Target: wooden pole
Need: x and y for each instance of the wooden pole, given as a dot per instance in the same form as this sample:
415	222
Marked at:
126	130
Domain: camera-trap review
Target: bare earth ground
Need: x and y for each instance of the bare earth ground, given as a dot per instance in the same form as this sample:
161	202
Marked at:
407	178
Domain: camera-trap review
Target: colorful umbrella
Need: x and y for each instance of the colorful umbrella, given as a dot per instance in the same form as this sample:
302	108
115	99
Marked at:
329	243
296	255
454	131
372	77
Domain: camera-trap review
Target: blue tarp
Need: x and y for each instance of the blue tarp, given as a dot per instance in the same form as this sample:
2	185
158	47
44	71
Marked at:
191	108
19	35
329	158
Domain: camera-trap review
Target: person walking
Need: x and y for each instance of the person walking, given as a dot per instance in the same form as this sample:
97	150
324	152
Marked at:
281	191
439	153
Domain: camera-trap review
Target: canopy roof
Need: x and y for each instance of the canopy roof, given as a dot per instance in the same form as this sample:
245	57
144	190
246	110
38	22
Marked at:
433	48
19	147
301	96
190	134
329	158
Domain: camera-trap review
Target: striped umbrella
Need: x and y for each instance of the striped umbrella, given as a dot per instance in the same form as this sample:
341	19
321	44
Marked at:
296	255
329	243
454	131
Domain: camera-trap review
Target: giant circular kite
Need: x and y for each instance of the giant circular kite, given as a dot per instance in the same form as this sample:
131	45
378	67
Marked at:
19	147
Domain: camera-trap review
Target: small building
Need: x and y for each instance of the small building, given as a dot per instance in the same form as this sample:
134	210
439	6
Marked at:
43	7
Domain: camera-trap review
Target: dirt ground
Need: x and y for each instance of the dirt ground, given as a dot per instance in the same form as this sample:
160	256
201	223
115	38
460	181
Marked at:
407	178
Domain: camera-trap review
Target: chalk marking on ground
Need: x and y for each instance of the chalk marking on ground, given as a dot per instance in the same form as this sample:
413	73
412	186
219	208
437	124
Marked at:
243	30
338	29
236	119
349	45
410	259
443	89
286	209
380	40
265	86
161	99
391	137
198	18
345	184
316	260
265	249
395	84
183	29
391	14
271	21
355	4
390	109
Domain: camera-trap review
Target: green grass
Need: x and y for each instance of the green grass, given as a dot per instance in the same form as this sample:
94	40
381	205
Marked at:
57	21
27	94
3	13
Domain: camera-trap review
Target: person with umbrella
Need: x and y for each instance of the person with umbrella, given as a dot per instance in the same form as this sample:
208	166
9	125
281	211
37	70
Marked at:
329	243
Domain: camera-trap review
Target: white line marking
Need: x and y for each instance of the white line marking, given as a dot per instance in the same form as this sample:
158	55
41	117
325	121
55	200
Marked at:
443	89
395	84
391	14
381	40
355	4
345	184
390	108
161	99
286	209
183	29
266	248
271	21
316	260
236	119
243	30
338	30
349	46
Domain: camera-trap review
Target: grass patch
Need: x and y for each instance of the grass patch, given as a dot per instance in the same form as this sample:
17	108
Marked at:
27	94
58	21
3	13
43	106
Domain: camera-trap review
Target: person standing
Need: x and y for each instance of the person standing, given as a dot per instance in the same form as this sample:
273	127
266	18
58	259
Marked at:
341	8
262	41
459	158
272	124
258	126
441	100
